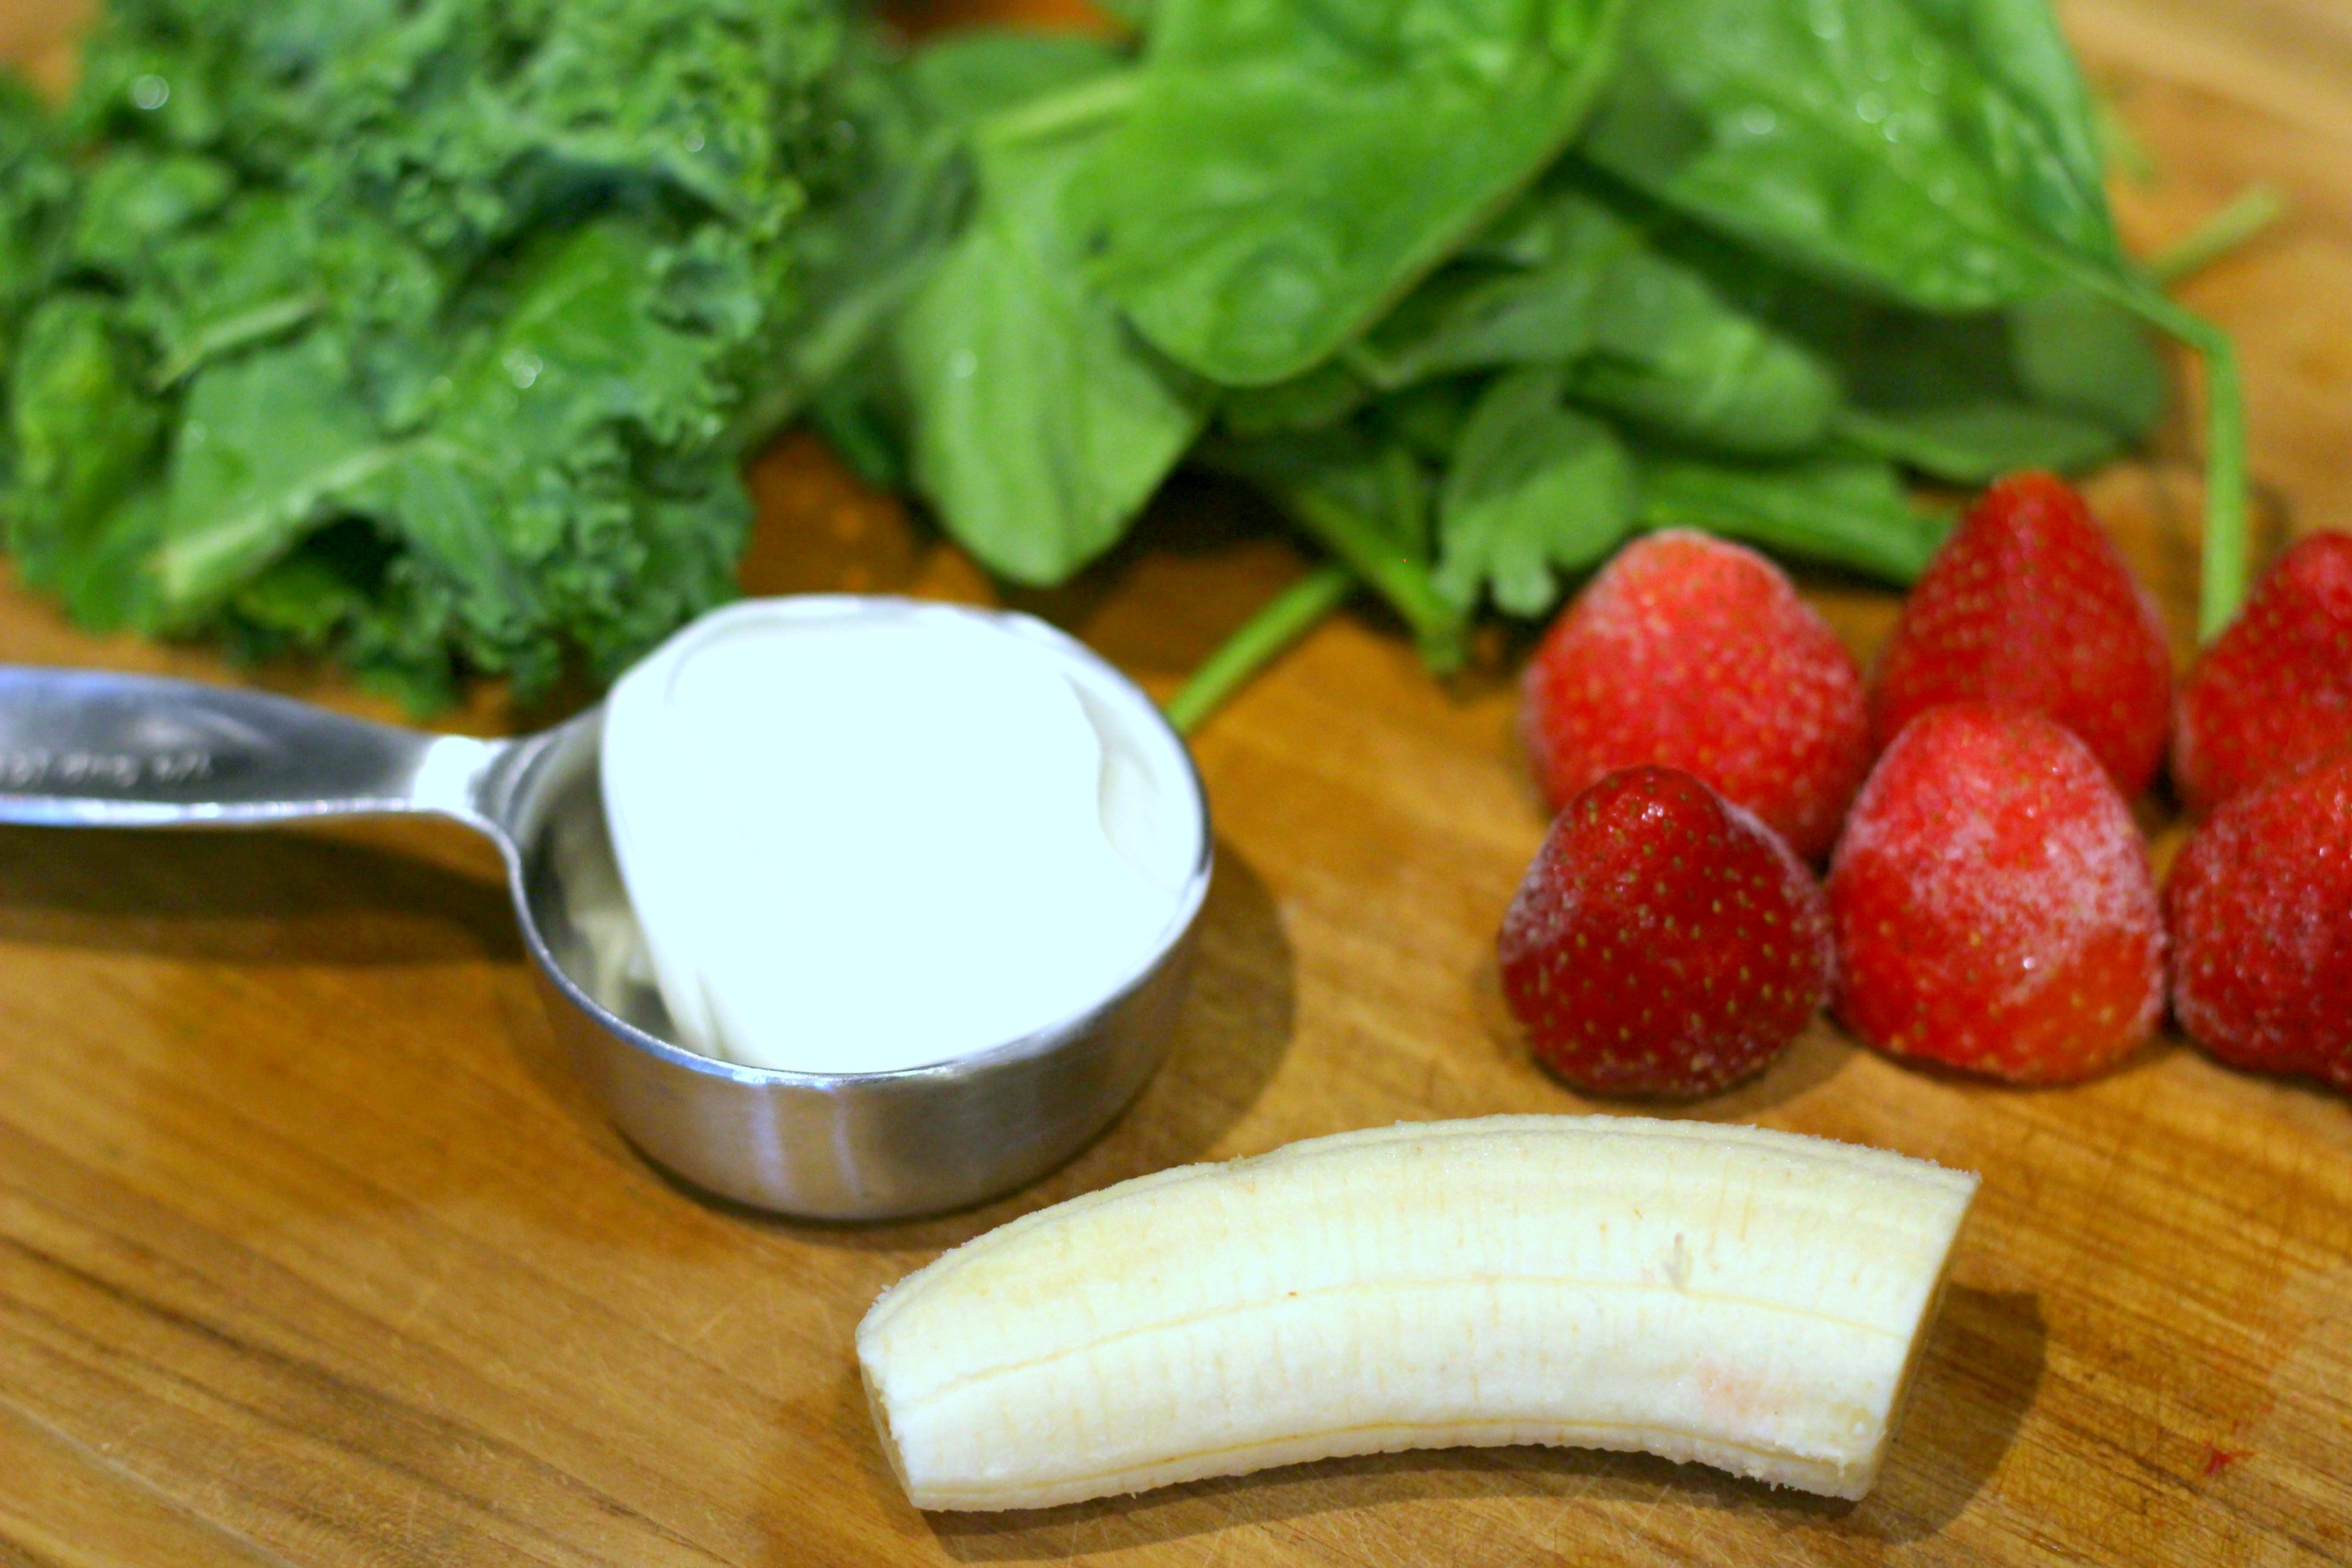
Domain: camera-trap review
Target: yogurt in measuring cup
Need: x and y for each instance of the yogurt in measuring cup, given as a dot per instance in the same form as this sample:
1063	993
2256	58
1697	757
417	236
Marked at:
862	835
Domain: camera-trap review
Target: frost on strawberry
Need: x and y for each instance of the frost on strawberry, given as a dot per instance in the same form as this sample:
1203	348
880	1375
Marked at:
2260	908
2275	693
2029	604
1664	940
1992	902
1691	652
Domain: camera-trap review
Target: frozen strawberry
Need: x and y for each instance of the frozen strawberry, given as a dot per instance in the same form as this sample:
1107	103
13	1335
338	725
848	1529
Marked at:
1993	904
2275	693
1691	652
2029	604
2260	907
1664	942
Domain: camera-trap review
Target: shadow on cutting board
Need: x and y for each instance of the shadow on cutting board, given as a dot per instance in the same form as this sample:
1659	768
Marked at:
350	894
1816	1056
1983	1361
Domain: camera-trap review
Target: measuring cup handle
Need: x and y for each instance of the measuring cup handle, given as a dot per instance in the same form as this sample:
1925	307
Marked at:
91	749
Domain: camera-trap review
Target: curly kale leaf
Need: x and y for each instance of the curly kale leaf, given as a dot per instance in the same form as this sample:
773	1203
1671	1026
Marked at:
432	335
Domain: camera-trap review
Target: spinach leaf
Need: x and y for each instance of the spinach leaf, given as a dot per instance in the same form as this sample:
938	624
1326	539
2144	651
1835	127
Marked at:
2060	380
1566	279
1426	419
1291	169
1975	444
1362	495
1949	395
1839	510
2075	350
2021	48
1875	141
853	414
1481	317
1040	423
1351	466
913	211
1534	486
1321	396
1672	355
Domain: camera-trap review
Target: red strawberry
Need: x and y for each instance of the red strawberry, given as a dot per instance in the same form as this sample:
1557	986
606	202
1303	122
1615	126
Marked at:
2275	693
1993	904
1691	652
1664	942
2029	604
2260	905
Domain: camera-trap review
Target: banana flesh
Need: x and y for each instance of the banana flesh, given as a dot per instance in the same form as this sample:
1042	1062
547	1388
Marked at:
1744	1297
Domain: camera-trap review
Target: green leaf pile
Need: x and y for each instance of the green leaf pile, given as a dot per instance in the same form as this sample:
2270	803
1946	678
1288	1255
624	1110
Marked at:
1475	288
430	333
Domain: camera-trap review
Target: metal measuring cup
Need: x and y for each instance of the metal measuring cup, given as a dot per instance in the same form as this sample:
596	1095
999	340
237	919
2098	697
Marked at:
92	749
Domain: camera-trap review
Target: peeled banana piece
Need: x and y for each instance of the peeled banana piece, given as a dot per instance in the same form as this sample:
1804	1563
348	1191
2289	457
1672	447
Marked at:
1744	1297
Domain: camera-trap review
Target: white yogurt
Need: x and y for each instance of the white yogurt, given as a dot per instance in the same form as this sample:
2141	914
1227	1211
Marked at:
859	836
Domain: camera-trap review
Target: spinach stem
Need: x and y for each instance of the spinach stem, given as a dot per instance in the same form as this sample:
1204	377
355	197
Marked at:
1382	562
1288	616
2221	574
2122	146
2255	209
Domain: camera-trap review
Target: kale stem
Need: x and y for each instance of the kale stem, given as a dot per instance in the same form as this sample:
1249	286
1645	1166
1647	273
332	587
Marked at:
2255	209
1097	98
1385	565
1261	639
228	335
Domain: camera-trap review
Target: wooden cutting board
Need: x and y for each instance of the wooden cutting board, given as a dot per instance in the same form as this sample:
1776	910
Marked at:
313	1251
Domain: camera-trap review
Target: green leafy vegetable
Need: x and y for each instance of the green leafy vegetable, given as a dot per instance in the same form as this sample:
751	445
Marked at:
1040	422
1876	138
1361	494
1534	486
2080	352
1290	170
35	188
962	79
1566	279
2062	382
1943	151
269	442
433	334
1324	395
1671	356
84	504
1845	511
1975	443
1426	419
1801	248
1480	316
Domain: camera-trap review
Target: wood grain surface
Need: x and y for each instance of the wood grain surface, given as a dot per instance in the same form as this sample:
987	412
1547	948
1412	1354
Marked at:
313	1251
